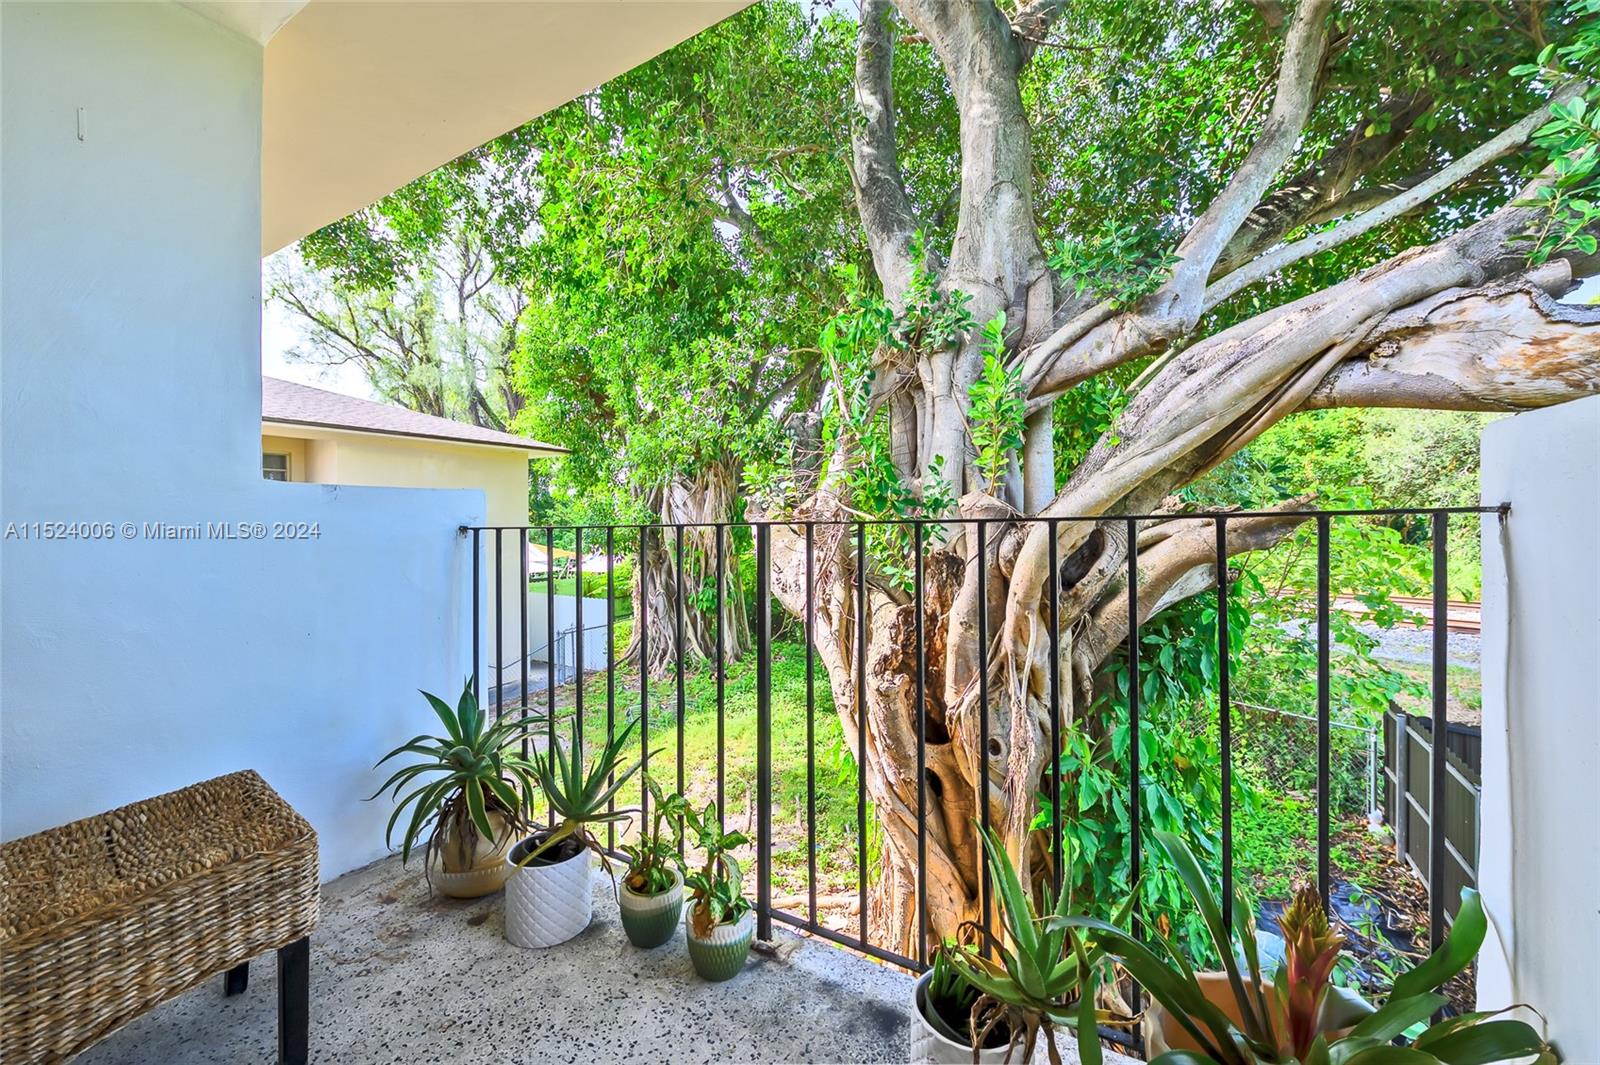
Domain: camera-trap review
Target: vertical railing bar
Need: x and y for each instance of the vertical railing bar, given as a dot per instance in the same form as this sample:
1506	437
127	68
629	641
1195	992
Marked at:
922	746
611	671
522	603
477	639
577	645
499	622
550	641
722	666
763	732
1053	597
982	558
861	724
1324	709
641	579
1441	727
1135	748
811	726
677	639
1224	719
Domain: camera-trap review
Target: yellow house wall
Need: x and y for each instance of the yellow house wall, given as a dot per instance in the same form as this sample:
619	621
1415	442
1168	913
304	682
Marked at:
297	450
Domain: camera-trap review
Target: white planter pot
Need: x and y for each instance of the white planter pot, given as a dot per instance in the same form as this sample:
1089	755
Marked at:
548	904
928	1047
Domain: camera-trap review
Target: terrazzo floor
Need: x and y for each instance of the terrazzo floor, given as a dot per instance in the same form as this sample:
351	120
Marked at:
397	977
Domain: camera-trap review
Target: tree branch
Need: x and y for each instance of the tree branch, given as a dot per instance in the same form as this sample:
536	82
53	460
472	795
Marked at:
1504	142
881	199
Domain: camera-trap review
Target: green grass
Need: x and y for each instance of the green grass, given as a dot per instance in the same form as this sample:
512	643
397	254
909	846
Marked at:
835	773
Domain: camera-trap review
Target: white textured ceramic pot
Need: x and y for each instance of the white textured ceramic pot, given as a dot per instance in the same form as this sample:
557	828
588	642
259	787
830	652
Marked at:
928	1047
547	904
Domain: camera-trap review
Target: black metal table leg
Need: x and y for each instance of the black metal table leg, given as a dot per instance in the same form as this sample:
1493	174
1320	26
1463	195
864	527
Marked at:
294	1002
236	979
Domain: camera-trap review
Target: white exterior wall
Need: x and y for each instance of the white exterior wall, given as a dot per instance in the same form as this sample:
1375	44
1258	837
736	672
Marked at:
131	393
1540	849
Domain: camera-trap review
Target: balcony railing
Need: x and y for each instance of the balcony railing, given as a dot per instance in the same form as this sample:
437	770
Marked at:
506	664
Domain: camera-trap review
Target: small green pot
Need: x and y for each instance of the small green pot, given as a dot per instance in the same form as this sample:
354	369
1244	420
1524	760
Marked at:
722	954
650	920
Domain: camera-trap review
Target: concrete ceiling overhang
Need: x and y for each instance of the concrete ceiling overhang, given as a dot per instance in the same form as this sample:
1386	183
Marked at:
362	96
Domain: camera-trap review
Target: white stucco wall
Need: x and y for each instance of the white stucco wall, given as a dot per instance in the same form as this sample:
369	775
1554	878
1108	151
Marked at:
130	385
1540	849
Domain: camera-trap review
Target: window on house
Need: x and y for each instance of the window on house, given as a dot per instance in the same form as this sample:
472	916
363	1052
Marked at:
274	467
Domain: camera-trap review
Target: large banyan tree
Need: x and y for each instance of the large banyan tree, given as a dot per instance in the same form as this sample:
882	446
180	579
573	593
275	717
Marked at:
1232	214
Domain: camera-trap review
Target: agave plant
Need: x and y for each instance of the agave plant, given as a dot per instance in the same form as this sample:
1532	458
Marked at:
1040	973
1300	1015
477	773
653	857
716	890
581	797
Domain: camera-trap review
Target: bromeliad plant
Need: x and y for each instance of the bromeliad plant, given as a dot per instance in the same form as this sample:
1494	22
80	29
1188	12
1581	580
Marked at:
652	860
1299	1015
480	779
716	890
1039	973
580	798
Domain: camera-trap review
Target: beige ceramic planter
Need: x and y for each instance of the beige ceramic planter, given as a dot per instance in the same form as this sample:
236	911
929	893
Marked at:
455	872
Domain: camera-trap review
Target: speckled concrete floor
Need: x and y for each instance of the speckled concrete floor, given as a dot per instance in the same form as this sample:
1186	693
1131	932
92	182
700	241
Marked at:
398	978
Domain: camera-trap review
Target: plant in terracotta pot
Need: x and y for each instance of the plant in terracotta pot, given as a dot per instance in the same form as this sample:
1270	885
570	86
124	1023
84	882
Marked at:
1243	1016
1031	977
549	894
651	898
471	794
719	929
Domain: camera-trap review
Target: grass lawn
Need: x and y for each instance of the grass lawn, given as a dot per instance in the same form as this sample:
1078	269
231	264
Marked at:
835	774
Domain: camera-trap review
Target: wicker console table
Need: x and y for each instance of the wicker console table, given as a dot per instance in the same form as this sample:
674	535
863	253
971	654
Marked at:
106	918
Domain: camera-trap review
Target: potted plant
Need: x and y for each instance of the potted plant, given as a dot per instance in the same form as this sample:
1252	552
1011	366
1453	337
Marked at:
651	898
1240	1016
549	895
1034	976
468	814
941	1024
719	929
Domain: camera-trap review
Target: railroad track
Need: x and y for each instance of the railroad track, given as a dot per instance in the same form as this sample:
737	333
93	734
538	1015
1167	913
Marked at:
1460	615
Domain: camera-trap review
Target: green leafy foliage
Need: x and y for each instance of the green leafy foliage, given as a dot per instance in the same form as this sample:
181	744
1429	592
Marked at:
653	856
716	892
998	407
1570	141
1120	263
467	773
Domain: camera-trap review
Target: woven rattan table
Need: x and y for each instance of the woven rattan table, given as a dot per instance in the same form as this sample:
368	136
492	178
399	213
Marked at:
106	918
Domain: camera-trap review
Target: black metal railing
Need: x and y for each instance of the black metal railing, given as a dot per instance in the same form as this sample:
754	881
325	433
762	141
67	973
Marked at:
490	546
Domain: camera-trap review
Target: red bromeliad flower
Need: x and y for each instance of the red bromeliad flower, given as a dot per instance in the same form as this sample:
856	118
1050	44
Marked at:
1311	949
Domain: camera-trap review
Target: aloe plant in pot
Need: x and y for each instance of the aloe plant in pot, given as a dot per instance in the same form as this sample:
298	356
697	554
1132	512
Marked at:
1031	977
719	929
549	894
651	898
470	808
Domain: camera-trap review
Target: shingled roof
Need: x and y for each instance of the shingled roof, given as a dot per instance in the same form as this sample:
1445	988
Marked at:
288	403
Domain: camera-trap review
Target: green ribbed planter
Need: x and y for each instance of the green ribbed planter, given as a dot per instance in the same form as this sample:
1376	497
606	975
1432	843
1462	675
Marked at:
650	920
721	955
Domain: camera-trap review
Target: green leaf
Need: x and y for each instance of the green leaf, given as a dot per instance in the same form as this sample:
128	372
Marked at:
1455	954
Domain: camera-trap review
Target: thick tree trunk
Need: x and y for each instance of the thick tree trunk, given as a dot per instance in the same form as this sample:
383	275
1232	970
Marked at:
668	597
1462	323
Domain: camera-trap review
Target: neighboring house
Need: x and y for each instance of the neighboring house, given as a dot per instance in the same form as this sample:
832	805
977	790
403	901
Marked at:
313	435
